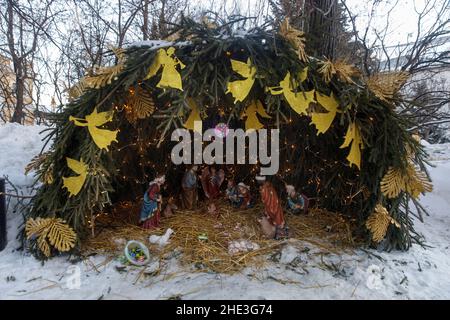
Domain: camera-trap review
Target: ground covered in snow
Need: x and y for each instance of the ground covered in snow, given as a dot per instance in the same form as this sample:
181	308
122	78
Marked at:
298	271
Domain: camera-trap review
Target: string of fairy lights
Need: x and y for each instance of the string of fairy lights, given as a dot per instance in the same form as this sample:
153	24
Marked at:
146	147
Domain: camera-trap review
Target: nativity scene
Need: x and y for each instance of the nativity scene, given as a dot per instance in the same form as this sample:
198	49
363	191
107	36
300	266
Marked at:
347	166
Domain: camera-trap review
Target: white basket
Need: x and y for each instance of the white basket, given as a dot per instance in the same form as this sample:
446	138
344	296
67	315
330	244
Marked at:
136	244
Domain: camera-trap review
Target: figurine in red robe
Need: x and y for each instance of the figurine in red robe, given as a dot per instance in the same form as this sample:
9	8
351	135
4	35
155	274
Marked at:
211	181
273	210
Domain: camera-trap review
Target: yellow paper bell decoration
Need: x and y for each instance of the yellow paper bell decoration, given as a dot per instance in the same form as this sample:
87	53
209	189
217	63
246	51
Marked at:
239	89
323	121
166	60
194	117
102	137
74	184
252	121
298	101
353	137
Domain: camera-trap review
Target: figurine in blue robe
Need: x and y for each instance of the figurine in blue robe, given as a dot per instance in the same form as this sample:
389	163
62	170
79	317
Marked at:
296	202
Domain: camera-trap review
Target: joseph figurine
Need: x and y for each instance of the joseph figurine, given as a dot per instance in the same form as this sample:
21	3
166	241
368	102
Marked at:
273	212
189	194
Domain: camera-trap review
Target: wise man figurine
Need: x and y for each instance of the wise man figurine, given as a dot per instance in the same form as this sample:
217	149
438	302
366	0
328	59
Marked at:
151	208
296	202
211	180
273	223
189	194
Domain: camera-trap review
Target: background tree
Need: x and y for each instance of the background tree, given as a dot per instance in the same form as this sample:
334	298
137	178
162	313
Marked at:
324	23
49	45
22	28
424	55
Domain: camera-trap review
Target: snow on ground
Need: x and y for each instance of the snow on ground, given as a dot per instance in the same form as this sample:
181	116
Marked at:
298	271
18	144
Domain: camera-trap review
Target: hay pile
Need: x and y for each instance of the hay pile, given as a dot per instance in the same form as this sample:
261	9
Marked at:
324	229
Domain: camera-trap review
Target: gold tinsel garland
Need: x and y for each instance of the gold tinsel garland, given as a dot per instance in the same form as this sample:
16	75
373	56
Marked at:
105	75
327	70
392	183
378	223
341	68
418	182
386	84
412	181
51	232
140	105
36	163
295	37
77	89
102	76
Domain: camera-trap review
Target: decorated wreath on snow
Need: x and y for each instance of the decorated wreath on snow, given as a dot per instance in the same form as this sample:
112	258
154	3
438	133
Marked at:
341	137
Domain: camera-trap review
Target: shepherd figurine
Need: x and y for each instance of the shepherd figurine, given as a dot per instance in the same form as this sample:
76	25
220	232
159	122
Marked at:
151	207
273	223
296	202
189	194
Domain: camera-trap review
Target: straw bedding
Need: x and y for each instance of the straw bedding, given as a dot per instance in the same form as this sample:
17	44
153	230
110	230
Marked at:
328	231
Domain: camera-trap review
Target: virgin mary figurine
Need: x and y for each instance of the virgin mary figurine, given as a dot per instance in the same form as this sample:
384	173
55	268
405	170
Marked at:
151	207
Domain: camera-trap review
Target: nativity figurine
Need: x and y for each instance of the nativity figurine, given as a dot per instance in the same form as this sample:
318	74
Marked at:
273	223
244	196
212	180
296	202
151	208
232	193
189	194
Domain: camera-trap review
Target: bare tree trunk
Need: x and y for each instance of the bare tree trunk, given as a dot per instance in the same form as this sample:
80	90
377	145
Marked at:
322	20
161	22
18	115
18	66
145	20
319	19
